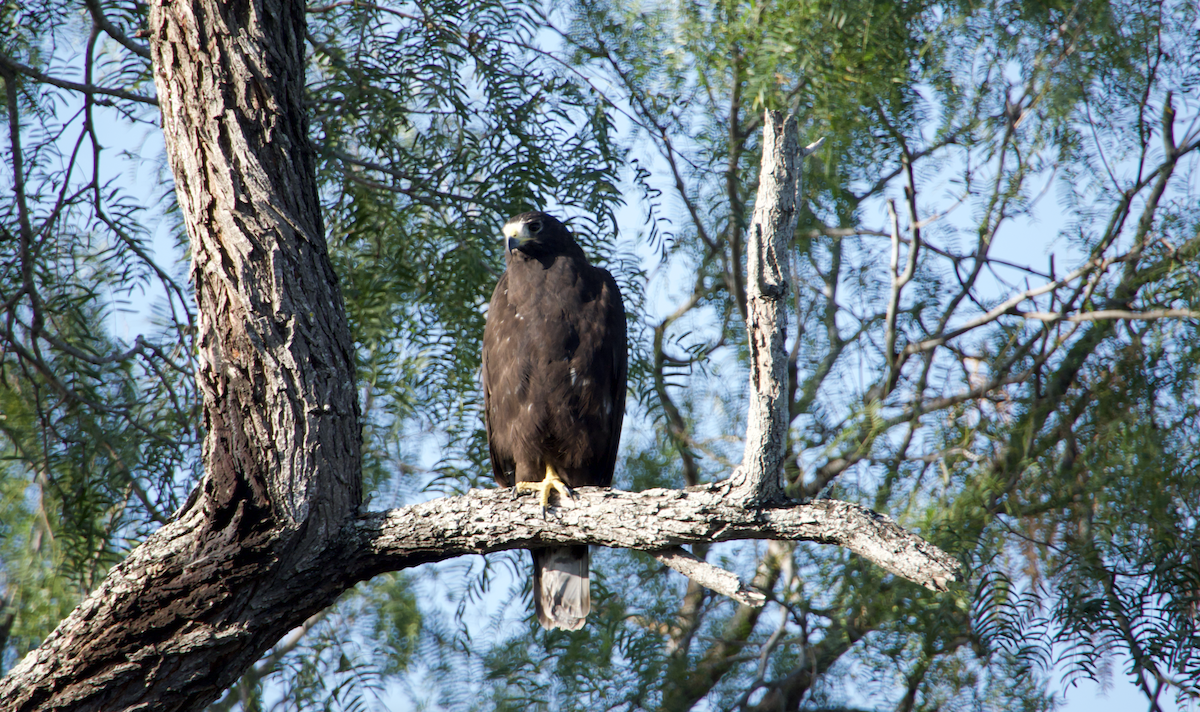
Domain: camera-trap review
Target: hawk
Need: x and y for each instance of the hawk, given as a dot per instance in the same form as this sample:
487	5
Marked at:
554	372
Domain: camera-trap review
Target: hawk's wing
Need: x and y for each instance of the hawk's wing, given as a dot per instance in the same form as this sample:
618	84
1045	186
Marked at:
503	468
616	357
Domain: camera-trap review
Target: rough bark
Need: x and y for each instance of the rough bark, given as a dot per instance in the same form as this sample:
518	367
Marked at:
273	535
277	364
484	521
759	481
190	609
174	624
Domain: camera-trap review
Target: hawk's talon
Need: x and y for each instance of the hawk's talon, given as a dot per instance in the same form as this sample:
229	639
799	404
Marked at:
550	483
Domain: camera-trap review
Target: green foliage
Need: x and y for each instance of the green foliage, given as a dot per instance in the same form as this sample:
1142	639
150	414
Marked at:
98	436
433	129
432	124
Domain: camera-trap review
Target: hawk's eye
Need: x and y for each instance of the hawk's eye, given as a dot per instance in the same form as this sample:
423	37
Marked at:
535	227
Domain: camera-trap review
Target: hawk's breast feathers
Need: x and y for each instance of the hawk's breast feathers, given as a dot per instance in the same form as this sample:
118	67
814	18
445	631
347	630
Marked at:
554	370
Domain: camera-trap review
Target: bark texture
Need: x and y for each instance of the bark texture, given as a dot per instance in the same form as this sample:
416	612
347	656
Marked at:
759	479
190	609
484	521
277	365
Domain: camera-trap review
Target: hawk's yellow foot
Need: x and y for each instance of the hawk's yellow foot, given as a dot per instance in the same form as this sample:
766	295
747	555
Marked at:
550	483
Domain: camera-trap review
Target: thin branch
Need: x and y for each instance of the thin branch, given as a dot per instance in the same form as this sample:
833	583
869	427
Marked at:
660	135
113	31
16	67
1007	305
14	137
839	232
711	577
676	426
424	195
788	574
696	678
136	486
898	283
319	9
1104	314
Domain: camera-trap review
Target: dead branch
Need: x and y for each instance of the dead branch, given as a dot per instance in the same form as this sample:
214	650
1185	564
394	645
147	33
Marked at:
758	481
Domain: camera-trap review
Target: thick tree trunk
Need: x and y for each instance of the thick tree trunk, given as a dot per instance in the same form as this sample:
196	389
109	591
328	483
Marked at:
190	609
277	362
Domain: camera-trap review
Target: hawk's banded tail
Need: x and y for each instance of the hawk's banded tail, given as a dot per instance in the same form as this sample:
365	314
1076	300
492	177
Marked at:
561	592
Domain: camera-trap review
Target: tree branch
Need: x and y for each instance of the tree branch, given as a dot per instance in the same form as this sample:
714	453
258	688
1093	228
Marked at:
274	533
898	283
1118	314
1006	307
484	521
711	577
10	65
113	31
758	481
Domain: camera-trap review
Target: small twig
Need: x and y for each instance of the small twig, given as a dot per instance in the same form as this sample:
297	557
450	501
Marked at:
840	232
898	282
1006	307
318	9
423	195
113	31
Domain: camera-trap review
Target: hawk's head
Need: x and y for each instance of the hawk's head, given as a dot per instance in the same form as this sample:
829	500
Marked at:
536	234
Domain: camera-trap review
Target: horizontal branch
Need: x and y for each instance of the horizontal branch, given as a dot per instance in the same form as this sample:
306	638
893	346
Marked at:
1109	314
485	521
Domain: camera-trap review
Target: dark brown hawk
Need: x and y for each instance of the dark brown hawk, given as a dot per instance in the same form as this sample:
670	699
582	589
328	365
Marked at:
554	372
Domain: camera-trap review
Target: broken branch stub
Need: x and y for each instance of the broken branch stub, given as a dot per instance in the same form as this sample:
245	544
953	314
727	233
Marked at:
758	481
